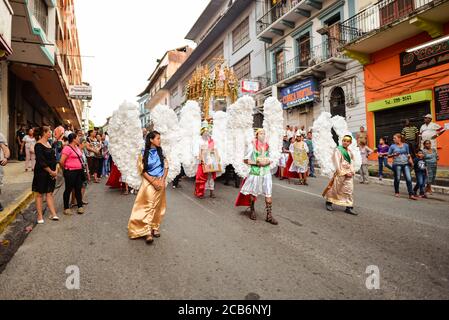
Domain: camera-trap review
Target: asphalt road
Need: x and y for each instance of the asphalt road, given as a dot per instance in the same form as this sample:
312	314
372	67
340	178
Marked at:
211	250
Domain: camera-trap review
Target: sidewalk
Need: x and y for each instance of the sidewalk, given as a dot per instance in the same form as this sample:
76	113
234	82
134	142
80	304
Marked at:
16	192
442	178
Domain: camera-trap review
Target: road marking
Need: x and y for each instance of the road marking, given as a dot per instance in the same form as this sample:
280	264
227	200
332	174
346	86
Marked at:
197	203
297	190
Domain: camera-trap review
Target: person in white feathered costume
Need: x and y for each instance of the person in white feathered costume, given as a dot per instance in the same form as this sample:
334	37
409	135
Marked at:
150	205
262	156
205	181
340	163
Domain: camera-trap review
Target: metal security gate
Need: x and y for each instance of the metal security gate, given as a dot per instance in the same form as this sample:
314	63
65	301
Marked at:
391	121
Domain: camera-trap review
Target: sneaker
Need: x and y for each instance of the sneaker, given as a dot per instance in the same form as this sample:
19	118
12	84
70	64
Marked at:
68	212
80	210
412	197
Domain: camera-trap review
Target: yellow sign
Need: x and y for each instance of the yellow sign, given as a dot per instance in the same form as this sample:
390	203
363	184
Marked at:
415	97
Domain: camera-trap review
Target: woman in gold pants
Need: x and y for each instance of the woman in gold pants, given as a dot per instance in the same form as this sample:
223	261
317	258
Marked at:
150	206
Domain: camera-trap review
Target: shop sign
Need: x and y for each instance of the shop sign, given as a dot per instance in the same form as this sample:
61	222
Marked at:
80	92
424	58
249	86
415	97
442	102
299	93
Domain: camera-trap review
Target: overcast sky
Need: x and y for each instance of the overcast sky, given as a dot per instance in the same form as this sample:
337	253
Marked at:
126	38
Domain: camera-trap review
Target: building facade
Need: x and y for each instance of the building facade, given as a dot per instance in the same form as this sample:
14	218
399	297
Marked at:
306	69
45	62
224	33
404	46
144	112
155	93
6	14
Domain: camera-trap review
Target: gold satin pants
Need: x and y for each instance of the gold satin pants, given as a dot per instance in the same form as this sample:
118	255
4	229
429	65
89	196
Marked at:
148	211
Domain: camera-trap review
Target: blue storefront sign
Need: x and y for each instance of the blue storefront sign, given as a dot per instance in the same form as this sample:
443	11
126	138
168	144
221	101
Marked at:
299	93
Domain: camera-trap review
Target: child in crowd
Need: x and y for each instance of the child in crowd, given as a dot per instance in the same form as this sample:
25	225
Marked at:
421	174
365	151
382	152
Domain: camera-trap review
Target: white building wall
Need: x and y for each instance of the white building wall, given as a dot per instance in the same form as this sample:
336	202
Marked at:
5	30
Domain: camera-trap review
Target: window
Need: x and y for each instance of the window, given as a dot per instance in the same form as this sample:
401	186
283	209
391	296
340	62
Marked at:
333	36
242	69
240	35
214	57
40	10
279	58
391	11
304	49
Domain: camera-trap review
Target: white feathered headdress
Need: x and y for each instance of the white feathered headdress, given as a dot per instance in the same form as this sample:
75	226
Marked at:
190	125
274	128
166	123
240	133
126	142
324	145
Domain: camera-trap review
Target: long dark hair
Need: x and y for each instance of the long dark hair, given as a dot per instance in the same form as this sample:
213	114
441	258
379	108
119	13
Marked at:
39	132
151	136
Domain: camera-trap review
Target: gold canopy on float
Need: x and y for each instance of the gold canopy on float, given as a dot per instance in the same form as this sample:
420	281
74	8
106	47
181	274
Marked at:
206	85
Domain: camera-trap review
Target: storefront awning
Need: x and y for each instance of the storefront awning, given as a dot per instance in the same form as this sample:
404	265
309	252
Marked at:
48	83
411	98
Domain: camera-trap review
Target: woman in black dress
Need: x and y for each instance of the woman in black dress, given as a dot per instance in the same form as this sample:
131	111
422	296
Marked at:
45	173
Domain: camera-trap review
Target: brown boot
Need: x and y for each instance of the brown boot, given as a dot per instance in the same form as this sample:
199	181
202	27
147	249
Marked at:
270	218
252	215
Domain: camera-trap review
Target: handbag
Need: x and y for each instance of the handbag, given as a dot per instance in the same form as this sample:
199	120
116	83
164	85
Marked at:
83	165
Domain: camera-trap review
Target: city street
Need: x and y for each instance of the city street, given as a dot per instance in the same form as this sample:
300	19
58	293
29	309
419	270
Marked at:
210	250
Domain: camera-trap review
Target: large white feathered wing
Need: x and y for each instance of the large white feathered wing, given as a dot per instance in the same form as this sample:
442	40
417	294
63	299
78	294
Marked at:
341	128
166	123
220	137
126	143
324	145
190	126
240	133
273	125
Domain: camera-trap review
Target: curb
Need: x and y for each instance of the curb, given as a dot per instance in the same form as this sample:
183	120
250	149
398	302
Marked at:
10	212
390	182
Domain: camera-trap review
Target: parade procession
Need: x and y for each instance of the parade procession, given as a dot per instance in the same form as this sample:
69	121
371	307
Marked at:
280	150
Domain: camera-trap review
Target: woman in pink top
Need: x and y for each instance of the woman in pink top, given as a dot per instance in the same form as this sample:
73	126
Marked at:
71	161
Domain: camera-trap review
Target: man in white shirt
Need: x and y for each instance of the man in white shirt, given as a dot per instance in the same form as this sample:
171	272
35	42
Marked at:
430	131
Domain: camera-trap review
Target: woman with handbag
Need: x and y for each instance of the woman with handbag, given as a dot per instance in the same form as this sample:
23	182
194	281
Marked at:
74	173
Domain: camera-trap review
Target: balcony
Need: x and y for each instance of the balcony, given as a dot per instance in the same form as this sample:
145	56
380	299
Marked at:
390	21
283	16
315	63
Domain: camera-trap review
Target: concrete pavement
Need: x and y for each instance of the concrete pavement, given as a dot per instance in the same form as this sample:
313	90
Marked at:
211	250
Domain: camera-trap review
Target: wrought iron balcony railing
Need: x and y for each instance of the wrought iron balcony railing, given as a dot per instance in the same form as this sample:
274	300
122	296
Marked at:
381	14
302	62
275	13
